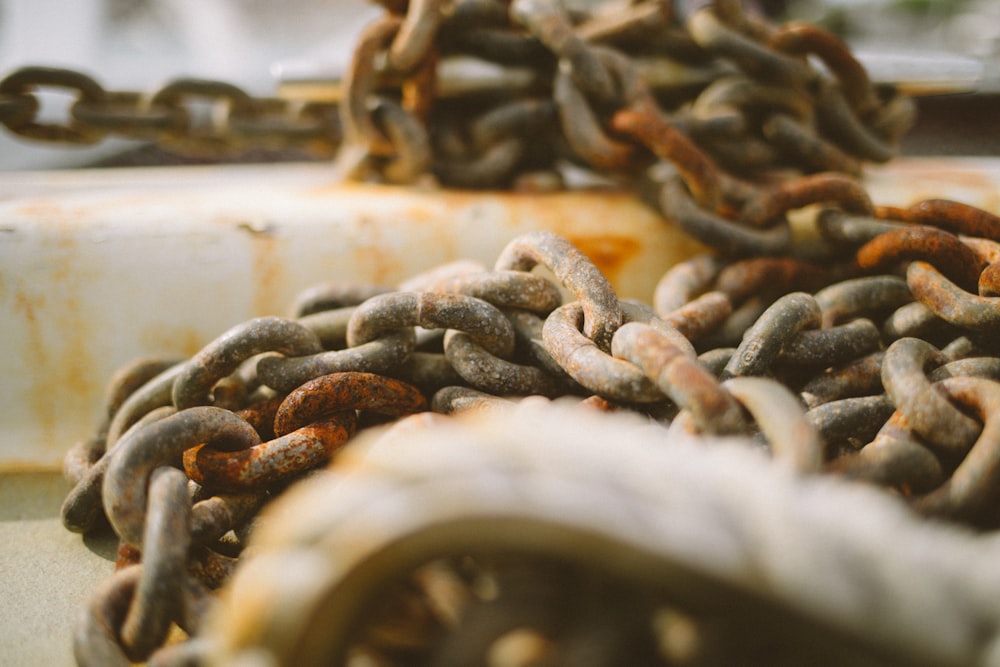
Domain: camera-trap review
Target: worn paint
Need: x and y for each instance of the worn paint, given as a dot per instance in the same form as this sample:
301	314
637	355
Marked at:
99	267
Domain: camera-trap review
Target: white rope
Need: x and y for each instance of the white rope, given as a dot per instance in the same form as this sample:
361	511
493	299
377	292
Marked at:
615	491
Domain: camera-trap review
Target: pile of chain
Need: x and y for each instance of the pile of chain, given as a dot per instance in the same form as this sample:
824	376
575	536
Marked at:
836	380
867	348
602	88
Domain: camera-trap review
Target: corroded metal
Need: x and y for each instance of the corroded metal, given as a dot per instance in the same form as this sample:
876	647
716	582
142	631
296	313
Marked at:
763	342
576	272
278	459
972	489
144	449
949	301
224	355
928	412
590	366
346	391
945	251
678	376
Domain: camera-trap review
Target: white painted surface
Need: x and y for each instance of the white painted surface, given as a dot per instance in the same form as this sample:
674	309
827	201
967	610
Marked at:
98	267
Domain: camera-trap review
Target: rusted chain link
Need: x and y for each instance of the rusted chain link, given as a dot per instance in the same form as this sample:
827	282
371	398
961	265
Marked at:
813	377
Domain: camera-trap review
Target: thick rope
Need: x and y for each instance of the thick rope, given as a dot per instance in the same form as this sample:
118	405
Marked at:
611	490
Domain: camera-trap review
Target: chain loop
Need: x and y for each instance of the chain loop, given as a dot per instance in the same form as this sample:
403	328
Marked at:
949	301
144	449
360	84
680	377
781	419
926	411
276	460
549	21
346	391
602	313
28	79
764	341
226	353
169	116
129	114
415	38
158	598
972	487
588	364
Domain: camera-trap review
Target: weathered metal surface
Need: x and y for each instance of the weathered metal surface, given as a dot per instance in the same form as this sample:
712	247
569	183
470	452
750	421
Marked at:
100	267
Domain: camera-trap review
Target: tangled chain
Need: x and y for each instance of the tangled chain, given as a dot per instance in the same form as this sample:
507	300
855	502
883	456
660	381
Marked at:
601	89
865	348
832	381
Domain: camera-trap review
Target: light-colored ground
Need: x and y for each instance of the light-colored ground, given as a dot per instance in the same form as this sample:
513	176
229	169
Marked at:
46	572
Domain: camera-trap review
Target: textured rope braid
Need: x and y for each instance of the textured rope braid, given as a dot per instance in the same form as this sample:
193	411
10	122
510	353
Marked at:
712	522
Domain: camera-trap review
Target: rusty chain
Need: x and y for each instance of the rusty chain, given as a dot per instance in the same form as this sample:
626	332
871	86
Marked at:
718	82
814	377
170	117
867	352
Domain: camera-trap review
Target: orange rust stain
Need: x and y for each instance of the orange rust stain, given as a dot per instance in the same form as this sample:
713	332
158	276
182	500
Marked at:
44	409
371	253
268	276
77	367
335	187
185	340
420	214
53	352
586	220
40	211
268	273
63	386
70	357
610	253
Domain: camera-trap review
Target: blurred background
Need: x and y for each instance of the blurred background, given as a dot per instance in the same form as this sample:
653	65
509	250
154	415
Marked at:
950	47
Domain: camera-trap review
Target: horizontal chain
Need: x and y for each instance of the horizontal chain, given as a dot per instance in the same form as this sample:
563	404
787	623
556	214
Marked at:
171	117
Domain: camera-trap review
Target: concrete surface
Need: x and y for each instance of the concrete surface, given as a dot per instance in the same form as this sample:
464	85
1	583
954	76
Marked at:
47	573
